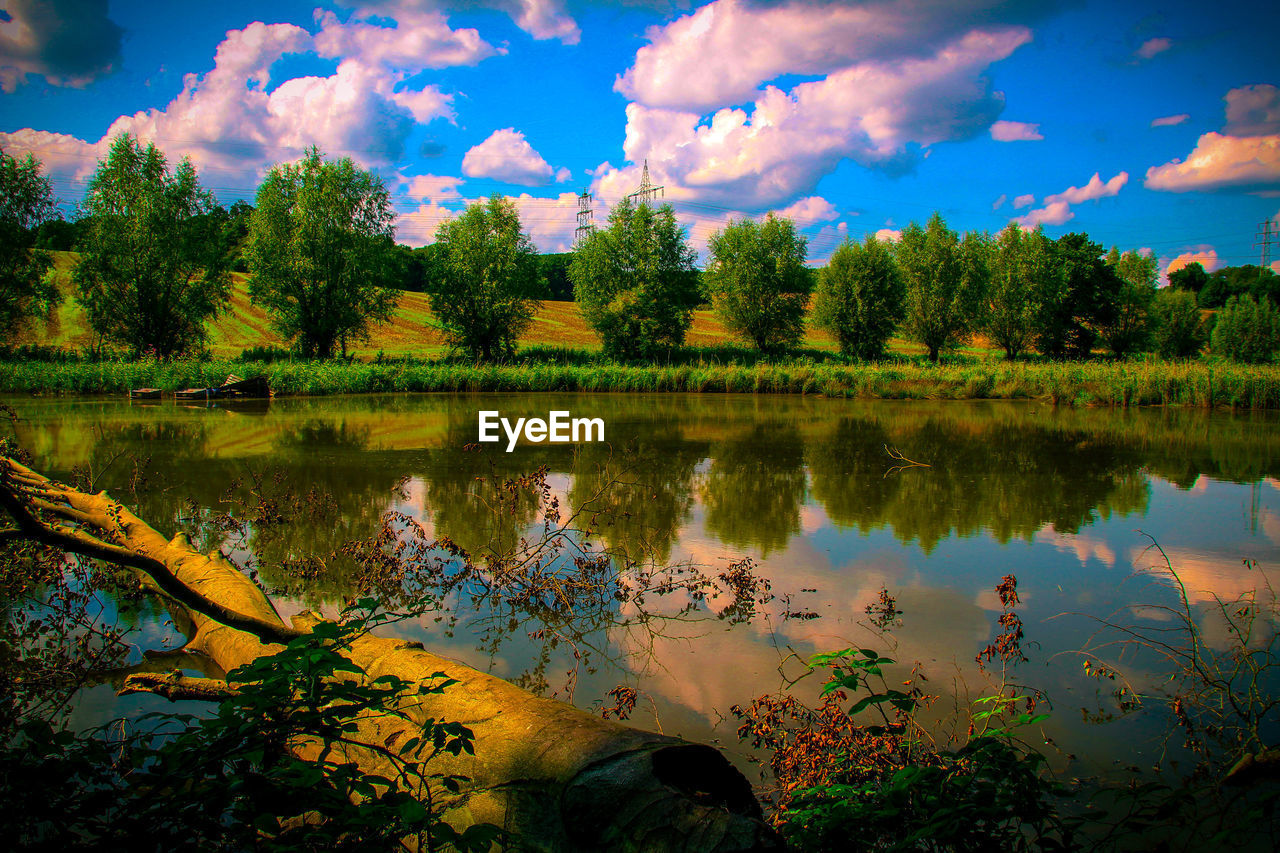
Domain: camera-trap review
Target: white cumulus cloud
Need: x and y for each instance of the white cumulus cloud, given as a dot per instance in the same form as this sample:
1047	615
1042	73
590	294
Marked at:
1015	131
809	210
507	156
1056	208
878	114
234	125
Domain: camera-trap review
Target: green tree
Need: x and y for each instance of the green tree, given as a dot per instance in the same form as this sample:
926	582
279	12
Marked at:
635	281
152	268
1192	277
1023	276
490	283
1177	328
757	281
945	280
1082	298
319	253
859	297
26	203
1247	330
1127	329
554	270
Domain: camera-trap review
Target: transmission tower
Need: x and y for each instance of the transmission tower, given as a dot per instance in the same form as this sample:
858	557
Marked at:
647	192
1268	232
586	222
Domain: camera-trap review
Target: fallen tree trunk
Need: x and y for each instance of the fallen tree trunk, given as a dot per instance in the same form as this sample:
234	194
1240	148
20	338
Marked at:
551	774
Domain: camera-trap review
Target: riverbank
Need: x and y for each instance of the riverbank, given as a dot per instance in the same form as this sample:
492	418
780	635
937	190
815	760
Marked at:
1198	384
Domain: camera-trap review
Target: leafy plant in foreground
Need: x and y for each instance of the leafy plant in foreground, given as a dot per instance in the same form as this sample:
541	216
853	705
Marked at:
272	768
860	772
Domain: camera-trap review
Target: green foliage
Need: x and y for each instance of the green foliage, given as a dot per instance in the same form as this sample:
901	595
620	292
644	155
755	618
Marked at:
1246	280
946	281
757	281
1247	330
1127	328
152	268
988	795
231	782
1177	328
554	270
1082	299
1191	277
26	204
1023	279
635	281
319	253
859	297
861	774
490	279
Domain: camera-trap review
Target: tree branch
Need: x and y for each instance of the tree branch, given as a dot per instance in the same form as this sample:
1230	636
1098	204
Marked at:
174	686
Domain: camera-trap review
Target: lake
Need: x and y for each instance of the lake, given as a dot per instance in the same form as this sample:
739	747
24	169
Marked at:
833	501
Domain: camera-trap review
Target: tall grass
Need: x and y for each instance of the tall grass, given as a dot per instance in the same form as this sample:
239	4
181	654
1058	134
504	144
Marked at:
1122	384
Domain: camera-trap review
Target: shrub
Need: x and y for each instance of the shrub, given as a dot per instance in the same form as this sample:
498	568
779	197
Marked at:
1177	328
1247	331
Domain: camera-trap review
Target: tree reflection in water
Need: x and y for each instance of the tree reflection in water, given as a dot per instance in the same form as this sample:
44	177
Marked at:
300	491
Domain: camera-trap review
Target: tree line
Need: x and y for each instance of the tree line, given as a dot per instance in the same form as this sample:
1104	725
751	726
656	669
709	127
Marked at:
156	252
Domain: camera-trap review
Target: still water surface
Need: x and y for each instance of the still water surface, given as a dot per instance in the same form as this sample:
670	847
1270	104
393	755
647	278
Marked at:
1063	499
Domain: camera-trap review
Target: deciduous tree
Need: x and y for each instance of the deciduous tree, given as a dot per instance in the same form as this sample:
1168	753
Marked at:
1083	297
26	202
489	282
319	252
1177	328
1127	329
635	281
859	297
1023	276
757	281
152	268
945	280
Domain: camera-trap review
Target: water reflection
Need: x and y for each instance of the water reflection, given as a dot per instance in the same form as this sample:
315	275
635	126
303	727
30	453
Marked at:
806	486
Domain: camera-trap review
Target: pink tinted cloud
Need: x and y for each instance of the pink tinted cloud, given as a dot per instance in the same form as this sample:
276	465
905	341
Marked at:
809	210
787	141
1244	157
1204	255
721	53
1253	111
542	19
234	129
1152	47
1221	162
507	156
432	187
1170	121
1024	200
1015	131
68	42
415	41
1056	208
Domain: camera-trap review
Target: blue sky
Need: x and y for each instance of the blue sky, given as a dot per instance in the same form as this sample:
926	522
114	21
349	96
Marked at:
1148	125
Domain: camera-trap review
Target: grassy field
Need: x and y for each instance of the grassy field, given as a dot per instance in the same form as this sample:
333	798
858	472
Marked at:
412	332
560	353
